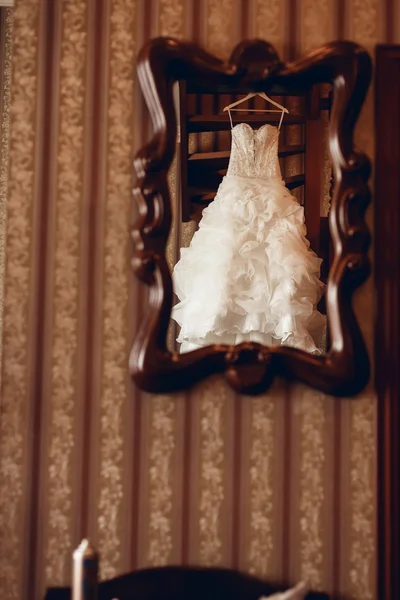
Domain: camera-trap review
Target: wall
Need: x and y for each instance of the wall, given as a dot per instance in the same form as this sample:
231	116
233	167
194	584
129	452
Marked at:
281	485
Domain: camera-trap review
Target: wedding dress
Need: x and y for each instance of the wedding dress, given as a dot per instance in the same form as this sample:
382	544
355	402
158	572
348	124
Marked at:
249	273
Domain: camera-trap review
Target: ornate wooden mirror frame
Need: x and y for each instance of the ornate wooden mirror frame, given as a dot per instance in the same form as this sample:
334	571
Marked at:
251	367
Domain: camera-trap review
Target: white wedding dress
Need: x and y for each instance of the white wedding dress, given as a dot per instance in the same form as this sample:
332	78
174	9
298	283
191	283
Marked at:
249	274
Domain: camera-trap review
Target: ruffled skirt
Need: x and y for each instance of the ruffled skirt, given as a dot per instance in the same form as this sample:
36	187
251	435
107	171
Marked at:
249	273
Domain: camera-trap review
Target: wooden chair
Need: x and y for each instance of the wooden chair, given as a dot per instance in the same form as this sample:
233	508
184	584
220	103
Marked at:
202	165
163	583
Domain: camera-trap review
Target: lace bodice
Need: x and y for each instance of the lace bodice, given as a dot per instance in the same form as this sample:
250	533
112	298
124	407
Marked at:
254	153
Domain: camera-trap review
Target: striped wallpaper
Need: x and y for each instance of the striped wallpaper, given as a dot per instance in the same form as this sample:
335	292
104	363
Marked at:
282	485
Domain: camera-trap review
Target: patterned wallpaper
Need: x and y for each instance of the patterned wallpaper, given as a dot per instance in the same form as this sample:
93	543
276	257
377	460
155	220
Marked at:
282	485
6	26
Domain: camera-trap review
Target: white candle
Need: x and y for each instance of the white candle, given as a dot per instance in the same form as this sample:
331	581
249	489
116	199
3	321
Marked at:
85	568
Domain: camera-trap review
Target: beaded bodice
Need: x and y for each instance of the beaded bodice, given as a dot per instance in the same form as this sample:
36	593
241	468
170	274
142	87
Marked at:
254	153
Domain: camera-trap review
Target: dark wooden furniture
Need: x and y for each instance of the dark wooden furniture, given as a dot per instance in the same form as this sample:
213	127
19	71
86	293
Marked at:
253	66
170	583
387	337
181	583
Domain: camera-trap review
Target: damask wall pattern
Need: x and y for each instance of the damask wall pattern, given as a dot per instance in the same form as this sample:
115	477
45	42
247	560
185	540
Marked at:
6	28
282	485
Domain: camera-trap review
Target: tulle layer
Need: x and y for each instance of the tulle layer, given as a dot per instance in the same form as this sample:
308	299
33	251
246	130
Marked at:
249	274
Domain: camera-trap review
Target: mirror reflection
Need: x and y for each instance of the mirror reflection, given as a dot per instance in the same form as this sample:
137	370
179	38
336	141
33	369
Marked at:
249	250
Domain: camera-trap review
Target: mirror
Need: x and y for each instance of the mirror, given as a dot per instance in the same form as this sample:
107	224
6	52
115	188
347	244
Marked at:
251	235
249	248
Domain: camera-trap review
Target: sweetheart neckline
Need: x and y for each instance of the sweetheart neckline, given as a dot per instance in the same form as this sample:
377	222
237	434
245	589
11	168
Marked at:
255	131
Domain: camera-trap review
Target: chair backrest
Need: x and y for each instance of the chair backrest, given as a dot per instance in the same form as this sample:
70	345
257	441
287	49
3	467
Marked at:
165	583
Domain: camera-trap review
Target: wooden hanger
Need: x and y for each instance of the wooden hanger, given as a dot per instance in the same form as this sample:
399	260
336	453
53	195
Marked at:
264	96
281	108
